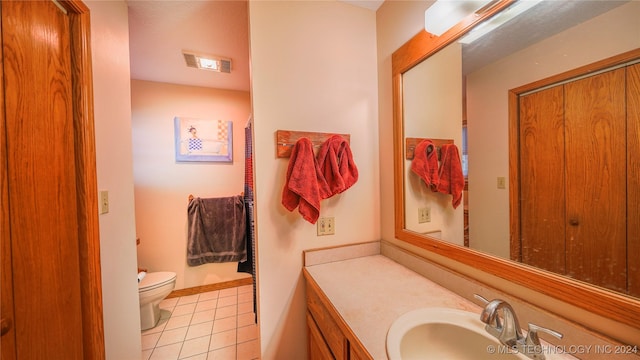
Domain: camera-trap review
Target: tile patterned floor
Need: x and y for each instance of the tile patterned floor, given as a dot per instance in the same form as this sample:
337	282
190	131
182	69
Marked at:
216	325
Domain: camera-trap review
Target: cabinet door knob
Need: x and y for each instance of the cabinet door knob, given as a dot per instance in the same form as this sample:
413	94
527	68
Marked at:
574	222
5	326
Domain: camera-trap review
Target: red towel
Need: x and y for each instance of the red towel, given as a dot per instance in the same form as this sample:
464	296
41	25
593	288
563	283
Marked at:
304	182
337	166
425	163
451	177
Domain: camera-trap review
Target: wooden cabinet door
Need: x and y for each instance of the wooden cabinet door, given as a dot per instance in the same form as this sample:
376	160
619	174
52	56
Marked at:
595	127
318	348
542	191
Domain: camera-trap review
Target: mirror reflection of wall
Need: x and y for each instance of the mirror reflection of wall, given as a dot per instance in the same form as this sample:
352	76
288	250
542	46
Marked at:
487	86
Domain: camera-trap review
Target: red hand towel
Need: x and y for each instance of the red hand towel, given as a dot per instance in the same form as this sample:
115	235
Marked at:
451	177
304	182
425	163
337	166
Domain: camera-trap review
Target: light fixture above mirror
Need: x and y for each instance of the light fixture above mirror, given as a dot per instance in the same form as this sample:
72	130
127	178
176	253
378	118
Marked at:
444	14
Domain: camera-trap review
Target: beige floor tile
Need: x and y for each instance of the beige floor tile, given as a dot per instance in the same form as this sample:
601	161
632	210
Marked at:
245	308
169	352
226	353
172	336
228	292
195	346
246	319
225	312
146	354
247	333
224	324
245	297
249	350
199	330
222	339
183	309
216	325
227	301
203	316
206	305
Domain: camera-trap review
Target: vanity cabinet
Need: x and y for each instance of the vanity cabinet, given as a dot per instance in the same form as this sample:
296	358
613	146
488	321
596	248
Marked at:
329	336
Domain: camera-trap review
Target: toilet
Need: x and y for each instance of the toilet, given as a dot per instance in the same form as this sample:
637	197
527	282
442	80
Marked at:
153	288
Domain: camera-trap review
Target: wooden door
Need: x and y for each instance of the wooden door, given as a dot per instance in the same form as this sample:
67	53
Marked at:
633	179
595	128
573	179
542	199
51	294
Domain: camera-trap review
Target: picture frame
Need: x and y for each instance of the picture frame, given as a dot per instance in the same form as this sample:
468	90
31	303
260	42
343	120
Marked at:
203	140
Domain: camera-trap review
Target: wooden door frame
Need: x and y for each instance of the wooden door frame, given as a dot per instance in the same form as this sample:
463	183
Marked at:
86	183
514	139
86	180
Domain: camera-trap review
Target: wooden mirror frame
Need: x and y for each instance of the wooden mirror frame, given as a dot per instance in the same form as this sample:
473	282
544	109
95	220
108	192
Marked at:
611	305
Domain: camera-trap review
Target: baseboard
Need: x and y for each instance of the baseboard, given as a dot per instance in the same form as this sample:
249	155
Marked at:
211	287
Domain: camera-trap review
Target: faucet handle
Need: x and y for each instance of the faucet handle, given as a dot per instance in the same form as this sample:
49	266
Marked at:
532	335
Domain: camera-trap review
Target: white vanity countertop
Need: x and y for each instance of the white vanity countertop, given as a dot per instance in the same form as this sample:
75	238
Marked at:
371	292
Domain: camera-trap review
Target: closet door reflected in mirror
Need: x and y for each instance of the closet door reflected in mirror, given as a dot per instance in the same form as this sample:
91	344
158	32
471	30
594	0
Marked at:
573	177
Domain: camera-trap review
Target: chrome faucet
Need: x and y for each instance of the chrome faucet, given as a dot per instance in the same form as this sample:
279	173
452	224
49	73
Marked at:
505	327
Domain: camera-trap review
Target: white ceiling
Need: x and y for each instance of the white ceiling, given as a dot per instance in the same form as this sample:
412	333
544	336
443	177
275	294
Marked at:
160	30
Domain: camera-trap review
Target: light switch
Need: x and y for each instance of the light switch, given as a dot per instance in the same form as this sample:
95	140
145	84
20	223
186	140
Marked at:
104	201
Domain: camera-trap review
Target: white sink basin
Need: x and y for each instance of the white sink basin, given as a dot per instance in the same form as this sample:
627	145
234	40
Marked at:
443	333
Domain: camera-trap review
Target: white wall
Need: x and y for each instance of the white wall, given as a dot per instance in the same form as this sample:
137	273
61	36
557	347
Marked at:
396	23
313	69
112	111
163	185
487	110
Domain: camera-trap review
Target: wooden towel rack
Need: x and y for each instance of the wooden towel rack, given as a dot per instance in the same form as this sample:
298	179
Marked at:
411	144
285	139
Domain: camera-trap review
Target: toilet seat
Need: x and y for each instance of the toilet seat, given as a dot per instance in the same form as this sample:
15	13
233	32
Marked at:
154	280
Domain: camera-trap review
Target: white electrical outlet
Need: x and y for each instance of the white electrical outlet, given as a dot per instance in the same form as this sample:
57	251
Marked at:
424	215
326	226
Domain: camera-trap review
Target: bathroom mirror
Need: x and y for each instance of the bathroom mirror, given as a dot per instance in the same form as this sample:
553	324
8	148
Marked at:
429	104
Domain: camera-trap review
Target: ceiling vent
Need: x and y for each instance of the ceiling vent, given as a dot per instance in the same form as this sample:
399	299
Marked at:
207	62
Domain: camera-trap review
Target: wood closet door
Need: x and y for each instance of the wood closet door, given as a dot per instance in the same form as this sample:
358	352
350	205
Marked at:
633	179
542	196
596	179
39	199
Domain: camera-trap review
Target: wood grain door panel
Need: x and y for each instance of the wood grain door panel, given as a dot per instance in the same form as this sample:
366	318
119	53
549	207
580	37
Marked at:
542	192
595	119
633	179
42	198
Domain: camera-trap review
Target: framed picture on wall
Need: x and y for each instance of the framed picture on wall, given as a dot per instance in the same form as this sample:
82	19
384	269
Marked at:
203	140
